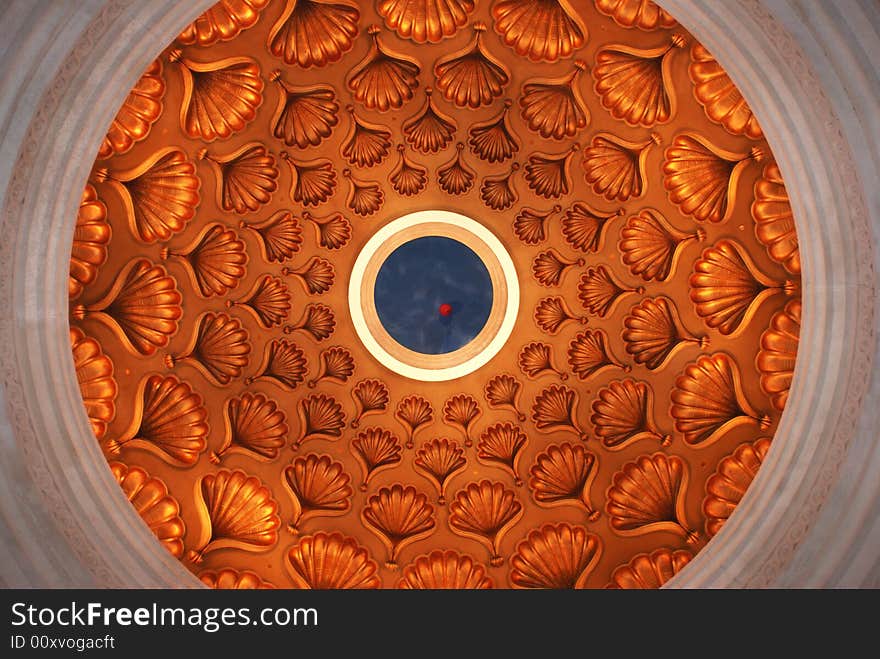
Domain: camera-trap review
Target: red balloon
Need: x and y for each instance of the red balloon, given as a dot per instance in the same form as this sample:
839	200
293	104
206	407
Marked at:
445	309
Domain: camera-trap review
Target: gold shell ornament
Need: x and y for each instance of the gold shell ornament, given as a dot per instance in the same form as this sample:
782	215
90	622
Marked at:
485	512
430	130
616	167
654	332
370	397
367	143
558	556
222	22
246	177
552	313
471	77
229	579
268	300
501	445
542	30
439	460
445	570
318	487
215	260
321	417
776	359
383	80
554	107
588	354
280	236
643	14
136	117
414	412
399	516
555	409
90	239
304	116
284	363
774	222
562	475
97	386
331	562
219	348
726	487
376	449
651	247
650	571
425	21
314	32
623	414
255	426
493	140
503	392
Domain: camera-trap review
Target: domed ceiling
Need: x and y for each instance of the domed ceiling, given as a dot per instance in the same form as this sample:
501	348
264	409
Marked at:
241	380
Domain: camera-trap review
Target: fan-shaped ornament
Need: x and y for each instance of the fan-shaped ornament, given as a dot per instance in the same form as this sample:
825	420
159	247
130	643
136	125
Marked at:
313	181
562	476
494	140
552	313
398	516
364	197
456	177
503	392
440	460
246	178
462	411
635	85
642	14
583	226
720	98
727	288
336	365
142	307
318	487
136	117
407	178
383	80
708	400
222	22
314	32
588	354
555	410
623	414
255	426
304	116
229	579
555	556
268	300
160	195
97	385
333	231
701	179
370	397
375	449
501	445
529	225
554	107
651	247
414	412
331	562
321	417
90	239
445	570
430	130
150	498
284	364
616	167
219	348
236	511
536	359
648	495
779	346
654	331
425	21
549	267
650	571
542	30
367	144
485	512
280	236
215	261
317	321
169	422
471	77
497	192
548	175
599	291
726	487
774	222
220	98
316	276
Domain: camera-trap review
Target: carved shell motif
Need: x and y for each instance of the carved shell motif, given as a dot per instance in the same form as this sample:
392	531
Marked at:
304	116
169	422
407	178
701	179
97	386
555	409
255	427
651	247
219	98
554	107
222	22
318	487
367	143
708	400
370	397
726	487
376	449
456	177
623	414
335	365
648	495
160	195
215	260
599	291
425	20
548	175
471	77
280	236
317	321
653	331
383	80
445	570
542	30
501	445
236	511
774	222
529	224
399	516
536	359
430	130
331	562
616	167
494	140
284	364
313	181
650	571
321	417
229	579
497	192
583	226
439	461
636	85
150	498
588	354
552	313
779	346
562	475
136	117
219	348
485	512
414	412
555	556
503	392
643	14
90	239
314	32
246	178
142	307
364	197
462	411
268	300
719	97
333	231
550	267
316	276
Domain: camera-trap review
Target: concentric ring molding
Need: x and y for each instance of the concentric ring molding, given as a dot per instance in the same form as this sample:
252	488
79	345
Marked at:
811	517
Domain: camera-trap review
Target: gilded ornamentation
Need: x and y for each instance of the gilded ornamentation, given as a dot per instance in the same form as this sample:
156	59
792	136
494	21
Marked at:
548	175
332	231
560	556
229	579
304	116
779	346
439	460
314	32
536	359
471	77
268	300
255	427
425	21
316	275
583	226
370	397
562	475
430	130
399	516
643	14
334	365
445	570
616	167
314	181
367	144
219	348
246	178
318	487
284	364
529	224
280	236
456	177
501	445
555	410
552	313
651	247
215	260
494	140
503	392
549	267
774	222
321	417
485	512
497	192
654	331
588	354
383	80
222	22
407	178
462	411
414	412
376	449
364	197
331	562
649	571
726	487
97	386
542	30
623	414
554	107
599	291
90	239
137	115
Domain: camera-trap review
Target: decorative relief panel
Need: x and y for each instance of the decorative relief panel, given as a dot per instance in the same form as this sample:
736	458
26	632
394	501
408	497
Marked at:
609	438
